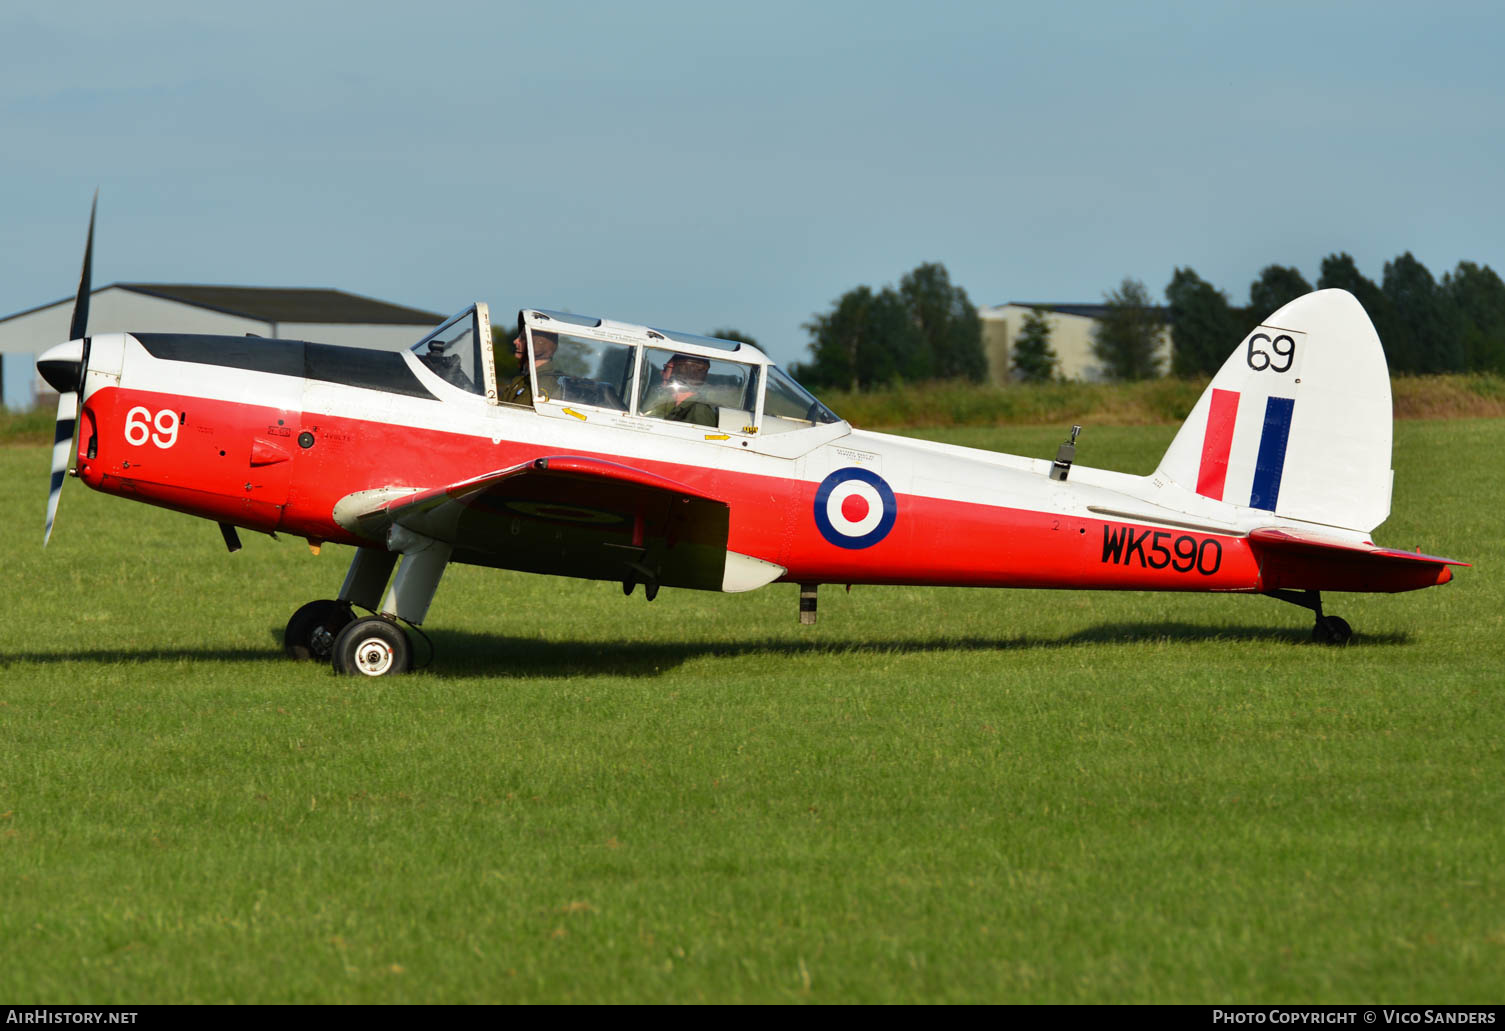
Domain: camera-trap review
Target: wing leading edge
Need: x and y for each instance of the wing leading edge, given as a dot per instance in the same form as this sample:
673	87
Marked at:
570	515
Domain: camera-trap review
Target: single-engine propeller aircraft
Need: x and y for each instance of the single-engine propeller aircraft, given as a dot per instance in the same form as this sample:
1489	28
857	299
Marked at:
664	459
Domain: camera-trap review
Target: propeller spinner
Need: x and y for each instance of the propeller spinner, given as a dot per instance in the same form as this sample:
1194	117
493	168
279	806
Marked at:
63	368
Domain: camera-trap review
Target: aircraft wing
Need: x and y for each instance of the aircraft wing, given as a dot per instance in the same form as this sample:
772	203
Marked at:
570	515
1302	560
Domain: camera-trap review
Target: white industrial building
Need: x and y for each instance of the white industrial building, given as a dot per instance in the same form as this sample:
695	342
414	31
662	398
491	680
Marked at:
322	316
1071	334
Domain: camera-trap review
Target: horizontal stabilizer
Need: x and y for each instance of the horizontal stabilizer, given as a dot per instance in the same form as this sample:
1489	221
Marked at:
1300	560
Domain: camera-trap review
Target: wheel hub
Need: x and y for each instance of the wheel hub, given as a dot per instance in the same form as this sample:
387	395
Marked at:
373	657
321	642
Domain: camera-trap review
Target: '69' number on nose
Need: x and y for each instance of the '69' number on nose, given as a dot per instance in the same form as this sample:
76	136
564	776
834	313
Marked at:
140	424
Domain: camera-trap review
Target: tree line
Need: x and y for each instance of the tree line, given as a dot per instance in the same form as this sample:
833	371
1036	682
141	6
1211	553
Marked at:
1426	325
927	328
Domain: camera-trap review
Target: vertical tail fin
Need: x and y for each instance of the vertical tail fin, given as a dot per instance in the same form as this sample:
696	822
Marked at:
1297	421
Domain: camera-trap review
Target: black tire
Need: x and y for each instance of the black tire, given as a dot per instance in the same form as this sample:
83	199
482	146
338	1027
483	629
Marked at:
312	629
1332	630
372	647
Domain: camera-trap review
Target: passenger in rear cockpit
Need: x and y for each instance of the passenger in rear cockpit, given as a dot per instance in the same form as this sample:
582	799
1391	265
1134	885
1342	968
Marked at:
677	397
520	390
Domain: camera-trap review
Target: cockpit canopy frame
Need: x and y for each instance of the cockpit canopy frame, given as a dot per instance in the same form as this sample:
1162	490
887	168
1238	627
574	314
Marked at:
726	392
731	390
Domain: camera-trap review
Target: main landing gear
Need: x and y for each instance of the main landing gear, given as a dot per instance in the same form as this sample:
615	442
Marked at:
372	646
1327	629
328	631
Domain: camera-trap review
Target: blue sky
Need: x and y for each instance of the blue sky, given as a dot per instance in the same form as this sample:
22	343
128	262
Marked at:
695	165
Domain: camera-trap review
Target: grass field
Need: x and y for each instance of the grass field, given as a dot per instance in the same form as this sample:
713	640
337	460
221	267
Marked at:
930	796
1145	403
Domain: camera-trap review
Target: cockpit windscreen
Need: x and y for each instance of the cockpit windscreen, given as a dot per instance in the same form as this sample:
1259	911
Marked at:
453	352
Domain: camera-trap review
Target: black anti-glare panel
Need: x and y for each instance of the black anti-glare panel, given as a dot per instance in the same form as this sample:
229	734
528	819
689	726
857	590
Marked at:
352	366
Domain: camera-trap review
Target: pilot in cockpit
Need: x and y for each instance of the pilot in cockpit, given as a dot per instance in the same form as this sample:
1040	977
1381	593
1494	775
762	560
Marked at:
677	397
520	390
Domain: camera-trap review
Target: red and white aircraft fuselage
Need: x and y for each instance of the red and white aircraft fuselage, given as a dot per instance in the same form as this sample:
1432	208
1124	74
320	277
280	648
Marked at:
1273	485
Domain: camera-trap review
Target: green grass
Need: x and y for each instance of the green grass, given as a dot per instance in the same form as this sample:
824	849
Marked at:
32	426
932	795
1150	402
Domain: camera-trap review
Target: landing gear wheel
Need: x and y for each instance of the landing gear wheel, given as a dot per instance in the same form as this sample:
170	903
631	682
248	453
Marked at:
1331	630
372	647
311	631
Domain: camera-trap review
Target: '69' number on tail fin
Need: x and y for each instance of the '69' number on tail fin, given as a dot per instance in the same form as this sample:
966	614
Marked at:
140	424
1259	359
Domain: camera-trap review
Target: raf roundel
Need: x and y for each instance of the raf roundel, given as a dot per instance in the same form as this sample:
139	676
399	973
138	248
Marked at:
854	508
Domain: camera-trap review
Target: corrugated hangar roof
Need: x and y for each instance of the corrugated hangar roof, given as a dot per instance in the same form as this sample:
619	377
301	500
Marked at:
275	304
287	304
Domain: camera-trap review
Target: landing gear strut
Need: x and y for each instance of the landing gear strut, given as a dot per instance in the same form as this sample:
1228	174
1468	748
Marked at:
372	646
1327	629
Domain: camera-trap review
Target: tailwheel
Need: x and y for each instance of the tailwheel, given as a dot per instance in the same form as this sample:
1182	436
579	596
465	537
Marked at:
1327	629
372	647
1331	630
311	631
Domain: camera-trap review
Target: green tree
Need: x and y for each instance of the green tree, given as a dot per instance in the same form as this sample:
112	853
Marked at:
1340	272
1034	360
1126	338
947	322
1431	331
927	327
1206	328
865	339
1277	286
1478	296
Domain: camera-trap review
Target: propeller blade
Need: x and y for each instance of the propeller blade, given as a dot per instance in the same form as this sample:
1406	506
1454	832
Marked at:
63	368
80	325
62	447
